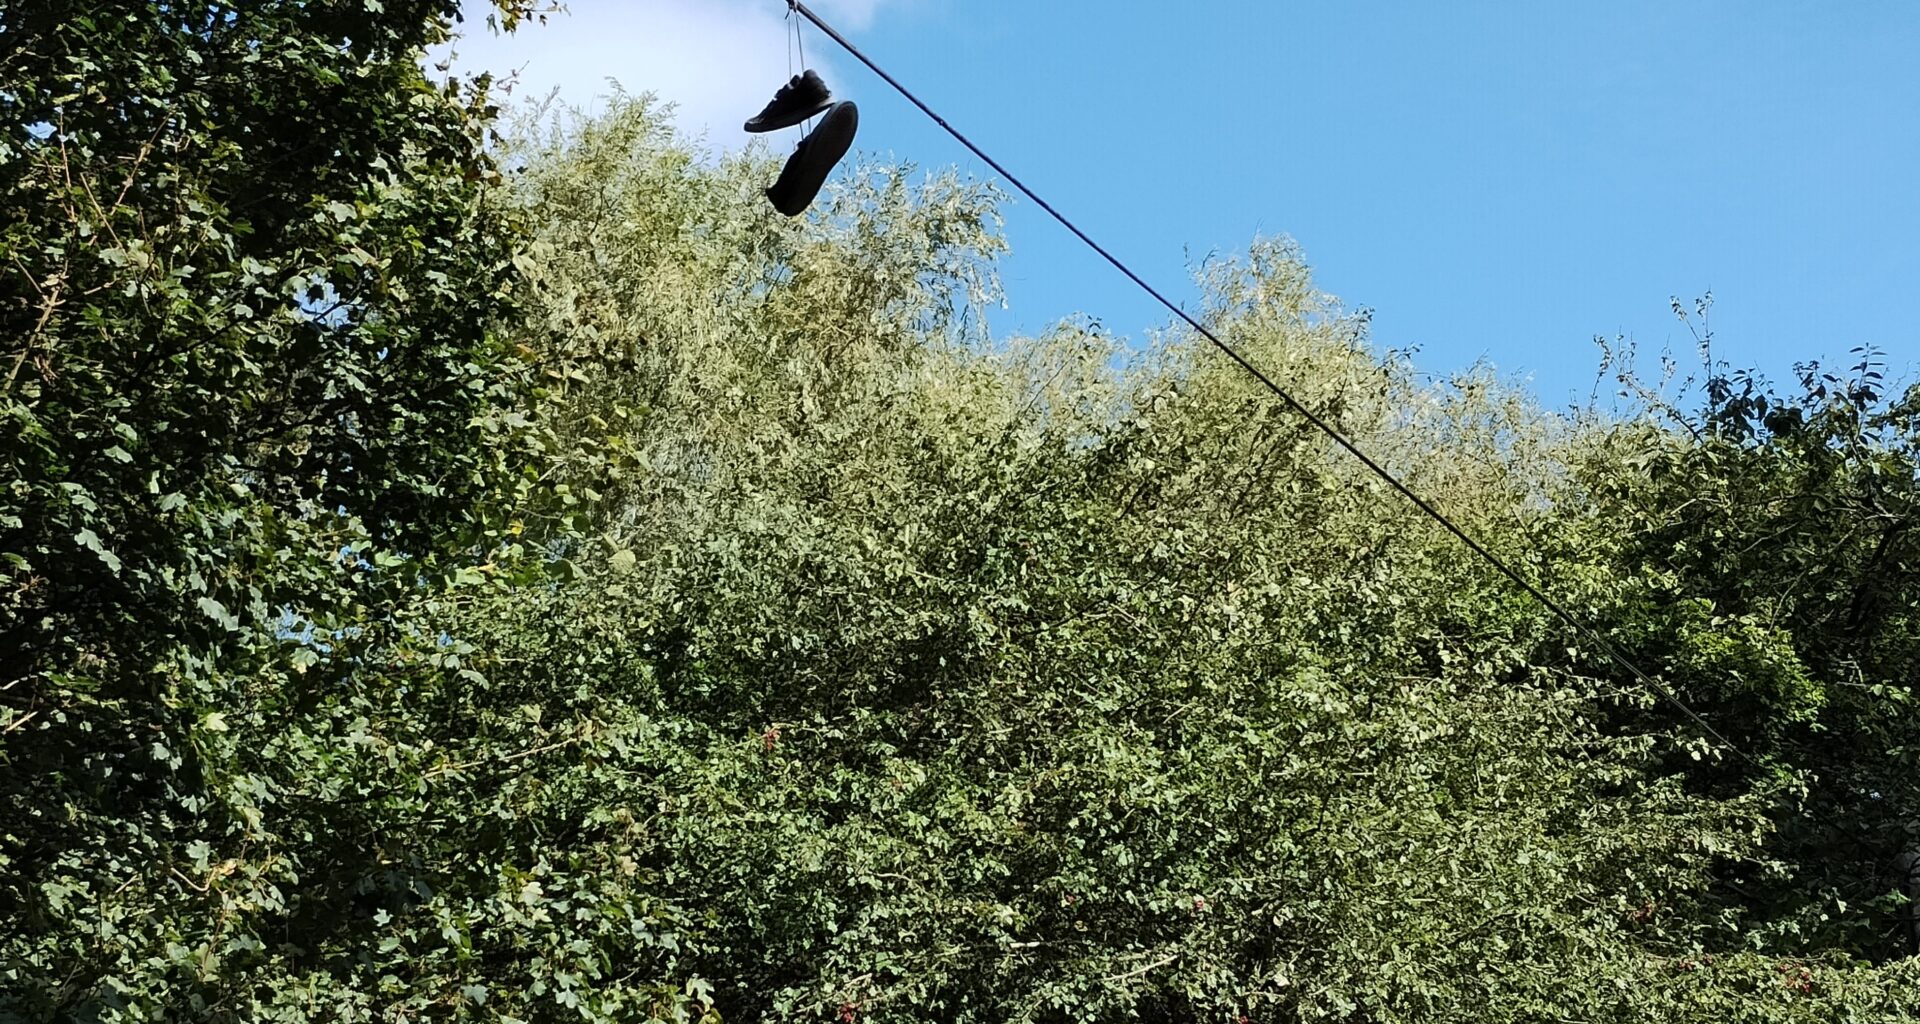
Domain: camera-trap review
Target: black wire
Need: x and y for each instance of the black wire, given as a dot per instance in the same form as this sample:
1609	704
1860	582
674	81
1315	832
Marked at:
1593	636
1279	391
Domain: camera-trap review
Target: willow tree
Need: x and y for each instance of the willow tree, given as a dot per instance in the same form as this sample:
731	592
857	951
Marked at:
929	675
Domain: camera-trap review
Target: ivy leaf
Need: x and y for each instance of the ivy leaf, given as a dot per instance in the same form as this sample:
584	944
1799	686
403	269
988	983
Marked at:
86	538
218	613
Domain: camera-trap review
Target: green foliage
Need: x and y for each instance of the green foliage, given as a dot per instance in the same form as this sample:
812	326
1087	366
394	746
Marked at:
255	409
585	594
1048	680
1764	554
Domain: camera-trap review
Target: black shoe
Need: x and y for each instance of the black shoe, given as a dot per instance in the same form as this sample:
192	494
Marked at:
796	101
808	167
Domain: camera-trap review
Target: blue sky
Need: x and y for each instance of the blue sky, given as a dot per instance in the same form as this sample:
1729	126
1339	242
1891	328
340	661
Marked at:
1495	180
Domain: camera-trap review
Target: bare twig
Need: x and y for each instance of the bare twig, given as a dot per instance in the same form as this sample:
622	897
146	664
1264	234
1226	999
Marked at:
1157	964
188	882
503	759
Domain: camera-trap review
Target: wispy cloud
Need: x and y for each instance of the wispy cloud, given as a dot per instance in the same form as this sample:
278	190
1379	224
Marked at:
719	61
856	14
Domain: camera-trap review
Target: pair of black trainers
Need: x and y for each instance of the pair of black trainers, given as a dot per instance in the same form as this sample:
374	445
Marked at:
808	167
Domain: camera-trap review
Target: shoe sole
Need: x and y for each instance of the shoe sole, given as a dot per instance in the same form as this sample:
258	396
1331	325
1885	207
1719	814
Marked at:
807	169
758	125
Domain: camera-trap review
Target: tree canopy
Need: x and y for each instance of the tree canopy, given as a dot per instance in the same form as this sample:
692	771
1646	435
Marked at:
475	570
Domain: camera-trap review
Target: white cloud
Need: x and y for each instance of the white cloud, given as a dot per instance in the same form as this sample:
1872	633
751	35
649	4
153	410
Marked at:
719	61
856	14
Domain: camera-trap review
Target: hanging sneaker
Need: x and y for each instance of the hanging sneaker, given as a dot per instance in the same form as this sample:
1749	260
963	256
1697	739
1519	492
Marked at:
808	167
796	101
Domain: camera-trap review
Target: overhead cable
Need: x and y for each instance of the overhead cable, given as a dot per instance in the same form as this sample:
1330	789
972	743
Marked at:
1592	635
